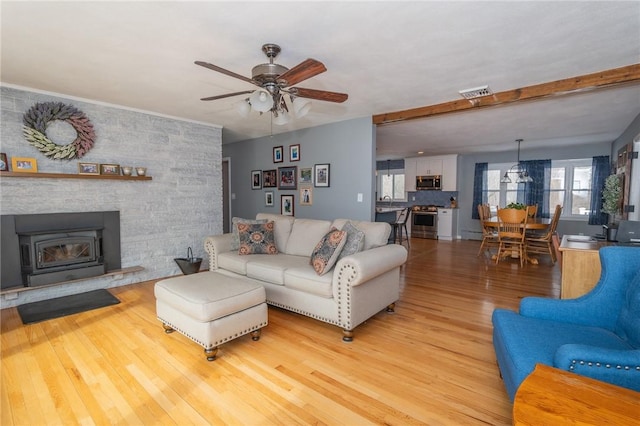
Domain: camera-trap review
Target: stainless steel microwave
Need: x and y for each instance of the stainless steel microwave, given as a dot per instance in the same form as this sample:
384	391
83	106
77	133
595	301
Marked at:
433	182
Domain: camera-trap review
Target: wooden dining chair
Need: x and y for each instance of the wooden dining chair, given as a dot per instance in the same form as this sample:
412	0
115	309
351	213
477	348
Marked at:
512	225
543	244
489	234
533	211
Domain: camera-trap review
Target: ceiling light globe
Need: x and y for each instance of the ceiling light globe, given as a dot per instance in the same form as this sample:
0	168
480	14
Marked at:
261	100
301	107
243	108
280	118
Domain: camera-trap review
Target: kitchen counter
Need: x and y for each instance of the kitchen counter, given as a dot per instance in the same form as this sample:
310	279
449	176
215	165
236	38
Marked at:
389	209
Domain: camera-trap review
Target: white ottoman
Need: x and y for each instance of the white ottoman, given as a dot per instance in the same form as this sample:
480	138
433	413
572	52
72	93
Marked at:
211	308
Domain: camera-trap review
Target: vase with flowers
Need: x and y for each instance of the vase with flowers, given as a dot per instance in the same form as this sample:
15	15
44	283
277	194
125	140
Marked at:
611	198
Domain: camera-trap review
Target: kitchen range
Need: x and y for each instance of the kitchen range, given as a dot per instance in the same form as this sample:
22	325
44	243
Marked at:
424	221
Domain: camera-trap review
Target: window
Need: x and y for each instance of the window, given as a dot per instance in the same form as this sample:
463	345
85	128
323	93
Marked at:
571	187
391	185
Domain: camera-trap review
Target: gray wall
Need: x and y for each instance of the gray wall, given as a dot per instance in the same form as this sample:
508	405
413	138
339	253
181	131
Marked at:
627	136
348	146
159	218
469	228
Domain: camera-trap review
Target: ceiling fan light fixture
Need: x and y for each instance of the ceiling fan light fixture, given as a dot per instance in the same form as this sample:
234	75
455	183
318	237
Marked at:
301	107
244	108
280	117
261	100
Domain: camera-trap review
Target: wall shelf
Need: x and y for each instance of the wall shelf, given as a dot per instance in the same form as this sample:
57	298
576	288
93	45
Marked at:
115	272
70	176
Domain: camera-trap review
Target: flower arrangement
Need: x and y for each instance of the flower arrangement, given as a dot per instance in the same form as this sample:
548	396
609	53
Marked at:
517	206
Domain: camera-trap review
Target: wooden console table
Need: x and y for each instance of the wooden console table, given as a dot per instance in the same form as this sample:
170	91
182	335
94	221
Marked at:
580	266
553	397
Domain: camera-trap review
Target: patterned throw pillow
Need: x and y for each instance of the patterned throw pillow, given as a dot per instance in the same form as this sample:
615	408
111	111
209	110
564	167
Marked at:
256	238
355	240
326	252
235	241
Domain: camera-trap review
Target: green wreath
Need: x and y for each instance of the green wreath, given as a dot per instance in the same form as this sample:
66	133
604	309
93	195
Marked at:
35	125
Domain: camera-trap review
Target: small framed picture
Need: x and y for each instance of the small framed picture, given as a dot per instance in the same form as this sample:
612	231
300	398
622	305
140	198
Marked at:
256	179
24	164
268	198
287	177
306	195
277	154
294	152
270	178
306	175
110	169
321	175
88	169
4	165
286	205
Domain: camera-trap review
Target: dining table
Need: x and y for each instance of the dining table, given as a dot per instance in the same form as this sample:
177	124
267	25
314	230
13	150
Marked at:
533	224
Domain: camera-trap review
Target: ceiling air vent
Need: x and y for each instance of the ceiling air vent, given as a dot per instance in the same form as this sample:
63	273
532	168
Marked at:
476	92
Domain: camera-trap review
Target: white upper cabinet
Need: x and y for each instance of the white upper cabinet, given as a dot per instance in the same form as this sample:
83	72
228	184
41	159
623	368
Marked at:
444	165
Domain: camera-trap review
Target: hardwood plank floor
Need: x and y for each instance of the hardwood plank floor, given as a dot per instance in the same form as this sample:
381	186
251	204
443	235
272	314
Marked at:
432	362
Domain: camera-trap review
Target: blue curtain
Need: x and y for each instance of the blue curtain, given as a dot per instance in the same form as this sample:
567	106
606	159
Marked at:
600	169
537	192
479	183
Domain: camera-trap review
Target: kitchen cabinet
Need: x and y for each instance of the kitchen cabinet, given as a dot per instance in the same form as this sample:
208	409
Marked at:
447	224
428	166
410	174
444	165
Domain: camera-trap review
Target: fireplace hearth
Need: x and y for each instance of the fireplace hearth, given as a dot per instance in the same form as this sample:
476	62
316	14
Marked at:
43	249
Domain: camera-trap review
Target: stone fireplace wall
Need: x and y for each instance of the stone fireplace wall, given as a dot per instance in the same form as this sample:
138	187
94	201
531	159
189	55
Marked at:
160	218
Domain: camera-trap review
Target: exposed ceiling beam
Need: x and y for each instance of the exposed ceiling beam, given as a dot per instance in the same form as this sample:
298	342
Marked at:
613	77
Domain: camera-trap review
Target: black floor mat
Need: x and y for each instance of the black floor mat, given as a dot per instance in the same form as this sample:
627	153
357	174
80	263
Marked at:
67	305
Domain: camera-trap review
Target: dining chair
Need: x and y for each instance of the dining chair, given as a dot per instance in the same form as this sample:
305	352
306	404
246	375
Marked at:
543	244
400	224
533	211
489	234
512	225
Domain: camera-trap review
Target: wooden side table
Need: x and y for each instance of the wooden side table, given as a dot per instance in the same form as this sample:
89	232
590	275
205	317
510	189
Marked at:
549	396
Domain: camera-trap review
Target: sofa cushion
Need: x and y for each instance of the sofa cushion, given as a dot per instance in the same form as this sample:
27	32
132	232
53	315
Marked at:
305	278
354	242
233	262
272	268
326	252
628	325
376	234
282	229
256	238
235	240
305	233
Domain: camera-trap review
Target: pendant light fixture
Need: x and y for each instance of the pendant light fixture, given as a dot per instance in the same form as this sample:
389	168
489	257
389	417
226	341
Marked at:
521	174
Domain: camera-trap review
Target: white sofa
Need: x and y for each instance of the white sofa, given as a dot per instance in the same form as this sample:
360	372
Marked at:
358	287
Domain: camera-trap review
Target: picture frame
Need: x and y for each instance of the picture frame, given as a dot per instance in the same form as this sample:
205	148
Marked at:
321	175
268	198
278	157
4	163
286	205
256	179
306	195
294	152
88	169
270	178
287	177
110	169
24	164
306	175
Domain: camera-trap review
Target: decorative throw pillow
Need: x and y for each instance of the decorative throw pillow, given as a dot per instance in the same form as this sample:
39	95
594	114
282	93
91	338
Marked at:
235	242
326	252
354	241
256	238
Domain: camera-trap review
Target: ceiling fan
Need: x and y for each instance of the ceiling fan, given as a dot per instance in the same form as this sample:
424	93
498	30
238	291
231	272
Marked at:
274	82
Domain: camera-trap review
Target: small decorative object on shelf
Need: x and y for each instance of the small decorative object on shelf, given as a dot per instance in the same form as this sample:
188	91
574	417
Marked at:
127	170
88	169
141	171
24	164
110	169
4	165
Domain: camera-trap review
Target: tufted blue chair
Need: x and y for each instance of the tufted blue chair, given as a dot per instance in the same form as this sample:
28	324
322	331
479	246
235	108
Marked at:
596	335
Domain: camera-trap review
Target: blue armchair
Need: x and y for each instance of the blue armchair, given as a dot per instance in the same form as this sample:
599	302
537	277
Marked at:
596	335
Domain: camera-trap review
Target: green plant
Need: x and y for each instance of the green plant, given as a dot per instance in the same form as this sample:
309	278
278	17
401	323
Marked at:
611	196
517	206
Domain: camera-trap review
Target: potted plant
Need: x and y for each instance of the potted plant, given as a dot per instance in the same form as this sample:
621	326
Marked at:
611	197
517	206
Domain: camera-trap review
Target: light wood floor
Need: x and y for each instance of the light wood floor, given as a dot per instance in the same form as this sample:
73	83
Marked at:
432	362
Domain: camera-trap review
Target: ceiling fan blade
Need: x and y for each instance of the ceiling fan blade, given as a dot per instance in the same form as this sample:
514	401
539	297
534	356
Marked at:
321	95
226	72
302	71
228	95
